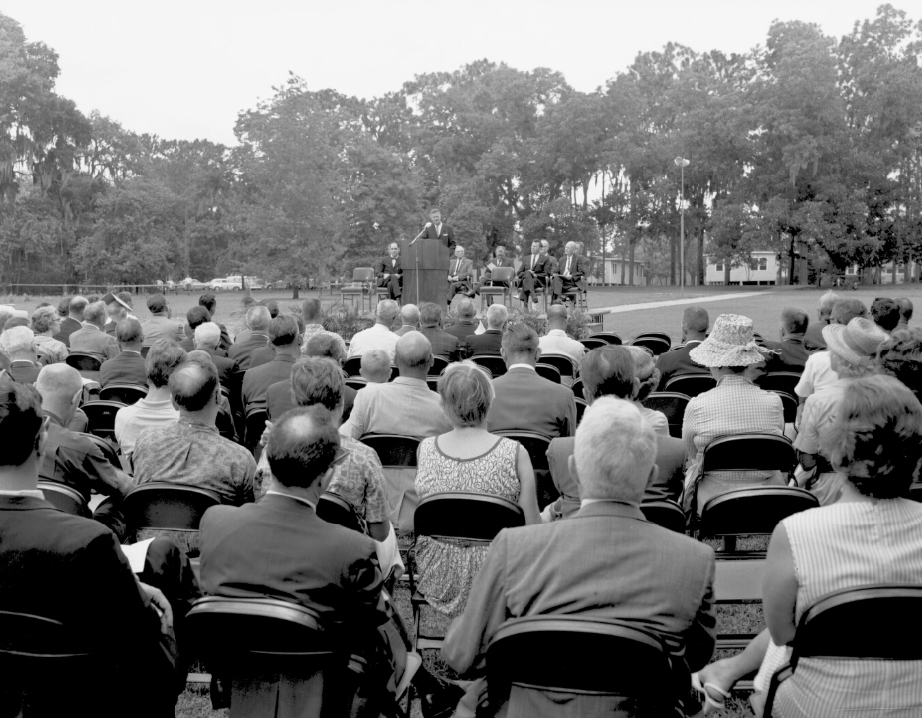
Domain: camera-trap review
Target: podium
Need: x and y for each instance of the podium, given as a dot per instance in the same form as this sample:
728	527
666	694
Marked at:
427	261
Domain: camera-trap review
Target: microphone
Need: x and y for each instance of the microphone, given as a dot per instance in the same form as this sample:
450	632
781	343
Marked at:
428	225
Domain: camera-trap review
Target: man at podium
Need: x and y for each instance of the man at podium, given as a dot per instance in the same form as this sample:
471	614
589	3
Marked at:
435	229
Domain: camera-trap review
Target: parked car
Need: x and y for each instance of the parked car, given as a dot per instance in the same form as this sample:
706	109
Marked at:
255	283
223	284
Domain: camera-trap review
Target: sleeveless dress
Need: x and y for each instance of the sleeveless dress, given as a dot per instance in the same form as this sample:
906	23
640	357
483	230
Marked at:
447	571
846	545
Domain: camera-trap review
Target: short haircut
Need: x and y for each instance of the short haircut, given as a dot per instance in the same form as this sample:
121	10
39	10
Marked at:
302	447
695	319
193	384
44	318
413	350
129	330
876	437
794	321
272	306
409	314
311	308
17	339
905	305
20	421
325	345
497	316
375	363
466	308
95	313
77	304
196	316
608	371
900	356
258	318
283	330
156	303
885	313
644	370
386	311
208	334
64	306
434	209
826	303
466	393
520	339
430	314
317	380
209	302
59	381
163	358
615	449
13	322
844	310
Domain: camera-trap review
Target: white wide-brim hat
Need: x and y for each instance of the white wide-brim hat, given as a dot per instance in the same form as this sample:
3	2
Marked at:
856	342
730	343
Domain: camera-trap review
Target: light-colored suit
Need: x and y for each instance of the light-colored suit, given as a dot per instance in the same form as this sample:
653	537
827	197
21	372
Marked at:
605	562
525	401
93	340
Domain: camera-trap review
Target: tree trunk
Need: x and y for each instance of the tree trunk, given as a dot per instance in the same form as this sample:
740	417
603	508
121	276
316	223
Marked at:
630	271
727	273
701	265
893	272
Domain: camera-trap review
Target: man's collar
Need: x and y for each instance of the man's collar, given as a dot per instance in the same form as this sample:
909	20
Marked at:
733	378
22	362
55	419
285	358
259	334
520	366
131	351
299	499
91	326
409	381
608	507
379	324
557	332
198	423
31	493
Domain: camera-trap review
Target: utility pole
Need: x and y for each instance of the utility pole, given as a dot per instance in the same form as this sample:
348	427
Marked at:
682	163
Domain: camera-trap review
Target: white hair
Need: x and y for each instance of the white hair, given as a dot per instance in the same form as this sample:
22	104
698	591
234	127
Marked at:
615	449
207	334
375	364
258	318
17	339
497	315
58	381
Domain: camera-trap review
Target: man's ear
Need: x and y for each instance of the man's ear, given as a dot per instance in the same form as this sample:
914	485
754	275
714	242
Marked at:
636	389
537	353
654	474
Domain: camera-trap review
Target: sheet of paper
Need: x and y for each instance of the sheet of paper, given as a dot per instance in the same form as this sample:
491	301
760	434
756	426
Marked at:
136	553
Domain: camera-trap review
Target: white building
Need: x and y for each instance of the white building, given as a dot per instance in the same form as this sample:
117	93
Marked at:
762	268
609	272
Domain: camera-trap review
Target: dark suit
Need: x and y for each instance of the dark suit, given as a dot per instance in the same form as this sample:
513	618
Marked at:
443	343
225	366
394	282
541	270
241	352
69	325
657	579
813	339
257	380
24	372
676	362
793	355
126	368
464	270
446	235
72	570
278	400
461	331
490	342
262	356
579	268
525	401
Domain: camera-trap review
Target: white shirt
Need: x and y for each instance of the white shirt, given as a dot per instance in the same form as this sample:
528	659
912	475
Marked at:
375	337
817	375
438	228
556	341
521	366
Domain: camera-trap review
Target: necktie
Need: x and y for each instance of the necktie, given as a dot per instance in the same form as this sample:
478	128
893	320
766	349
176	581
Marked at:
393	263
567	270
457	267
534	260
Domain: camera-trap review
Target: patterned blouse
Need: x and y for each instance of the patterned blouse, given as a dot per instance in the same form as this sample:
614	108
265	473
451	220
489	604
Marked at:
447	571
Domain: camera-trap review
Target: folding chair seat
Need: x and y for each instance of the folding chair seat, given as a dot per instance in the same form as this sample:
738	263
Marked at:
783	381
607	337
503	275
439	363
65	499
672	404
636	665
665	513
81	361
492	362
125	393
654	343
159	508
101	416
362	283
564	364
691	384
334	509
398	459
356	383
551	373
352	366
536	446
460	516
865	623
591	344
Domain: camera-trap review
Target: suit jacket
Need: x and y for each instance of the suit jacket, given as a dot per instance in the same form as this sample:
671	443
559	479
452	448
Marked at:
447	236
24	373
69	325
465	269
384	267
93	340
223	364
677	361
262	356
241	352
793	356
462	331
160	326
541	266
443	343
657	579
525	401
257	380
490	342
128	367
579	266
278	400
813	339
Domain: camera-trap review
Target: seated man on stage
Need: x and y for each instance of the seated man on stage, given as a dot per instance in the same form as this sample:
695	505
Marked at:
390	273
571	270
460	275
501	261
533	273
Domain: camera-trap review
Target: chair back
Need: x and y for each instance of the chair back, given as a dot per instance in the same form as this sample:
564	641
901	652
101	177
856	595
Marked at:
433	383
65	499
439	364
161	505
665	513
363	274
395	372
234	386
591	344
125	393
753	510
502	274
779	381
655	335
607	337
255	426
788	405
81	361
394	451
915	491
577	388
749	452
536	446
334	509
352	366
636	665
224	422
551	373
108	451
144	351
101	417
655	344
691	384
492	362
561	362
581	405
25	636
465	516
356	383
672	404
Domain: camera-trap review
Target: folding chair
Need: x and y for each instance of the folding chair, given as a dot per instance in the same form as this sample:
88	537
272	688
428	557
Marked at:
551	373
691	384
503	276
665	513
108	450
672	404
256	419
655	343
440	363
563	364
362	282
536	446
81	361
656	335
460	516
577	388
397	455
356	383
579	294
352	366
788	405
492	362
856	624
125	393
636	665
395	372
591	344
334	509
65	499
607	337
234	385
160	506
581	406
779	381
432	382
101	416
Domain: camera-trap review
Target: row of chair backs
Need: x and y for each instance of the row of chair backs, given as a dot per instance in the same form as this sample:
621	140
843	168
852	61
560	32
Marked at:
65	499
536	446
162	505
656	342
125	393
82	361
494	363
334	509
466	516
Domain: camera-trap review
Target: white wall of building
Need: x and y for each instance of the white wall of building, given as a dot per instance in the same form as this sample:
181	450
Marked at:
762	269
613	271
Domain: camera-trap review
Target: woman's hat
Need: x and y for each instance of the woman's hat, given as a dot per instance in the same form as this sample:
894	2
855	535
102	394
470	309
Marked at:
730	343
856	342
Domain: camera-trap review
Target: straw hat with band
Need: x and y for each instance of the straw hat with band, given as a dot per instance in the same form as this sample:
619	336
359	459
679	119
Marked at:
856	342
730	343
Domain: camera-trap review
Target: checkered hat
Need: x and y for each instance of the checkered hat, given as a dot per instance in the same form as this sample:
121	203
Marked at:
730	343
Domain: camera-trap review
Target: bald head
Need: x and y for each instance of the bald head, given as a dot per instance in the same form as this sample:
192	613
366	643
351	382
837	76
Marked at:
409	315
466	309
194	386
413	354
556	317
302	448
58	380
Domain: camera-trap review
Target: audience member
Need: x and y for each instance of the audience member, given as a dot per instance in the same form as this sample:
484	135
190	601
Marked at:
525	401
195	317
105	610
460	275
430	325
207	338
817	371
664	584
813	338
734	406
491	341
283	332
312	314
156	409
159	325
272	307
17	344
211	304
91	339
73	321
790	353
551	266
379	335
677	361
128	367
465	326
375	367
191	451
557	341
901	357
117	311
64	307
646	376
409	319
279	397
45	324
905	306
13	322
257	320
885	313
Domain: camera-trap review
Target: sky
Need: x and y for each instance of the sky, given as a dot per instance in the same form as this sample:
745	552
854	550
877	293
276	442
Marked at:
184	70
